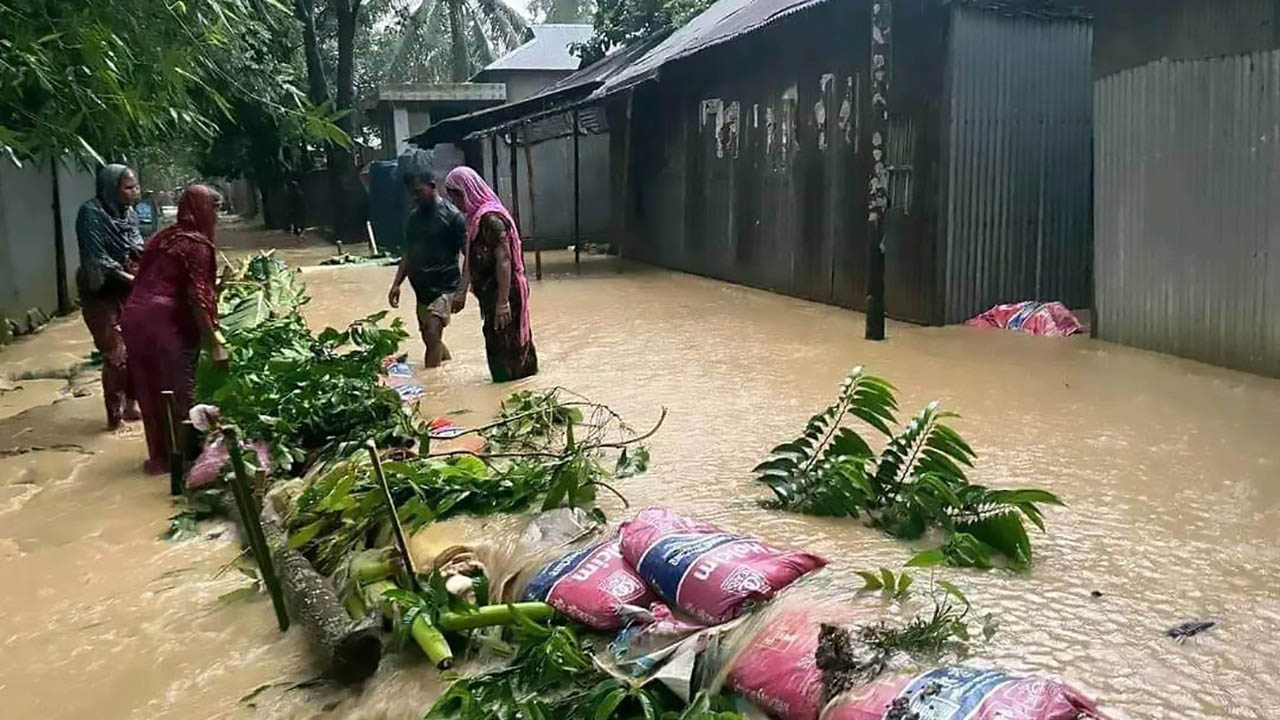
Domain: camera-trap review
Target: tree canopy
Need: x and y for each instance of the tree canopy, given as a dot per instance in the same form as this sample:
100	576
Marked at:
619	23
106	78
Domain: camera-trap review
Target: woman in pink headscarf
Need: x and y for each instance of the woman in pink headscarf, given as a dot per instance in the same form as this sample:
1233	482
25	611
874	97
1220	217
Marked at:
493	263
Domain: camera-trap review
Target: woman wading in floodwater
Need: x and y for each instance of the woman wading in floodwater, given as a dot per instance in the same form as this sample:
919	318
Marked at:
110	243
493	263
171	313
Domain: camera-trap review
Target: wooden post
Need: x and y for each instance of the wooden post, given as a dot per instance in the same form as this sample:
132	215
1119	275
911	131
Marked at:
59	245
515	182
626	181
577	190
493	160
176	458
533	215
878	186
249	513
401	540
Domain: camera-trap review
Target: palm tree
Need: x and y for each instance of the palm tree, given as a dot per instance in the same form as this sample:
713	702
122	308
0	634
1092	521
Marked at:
471	33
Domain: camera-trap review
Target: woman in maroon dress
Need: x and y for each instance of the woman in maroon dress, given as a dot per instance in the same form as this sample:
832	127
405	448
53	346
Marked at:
493	264
170	314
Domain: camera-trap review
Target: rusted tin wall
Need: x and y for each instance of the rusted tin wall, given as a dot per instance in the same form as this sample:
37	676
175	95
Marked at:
749	164
1188	209
1019	162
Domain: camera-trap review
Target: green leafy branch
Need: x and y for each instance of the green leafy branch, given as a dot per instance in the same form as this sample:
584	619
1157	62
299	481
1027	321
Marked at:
852	657
916	482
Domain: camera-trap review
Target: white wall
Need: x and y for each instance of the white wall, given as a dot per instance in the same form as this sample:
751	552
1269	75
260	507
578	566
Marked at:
27	252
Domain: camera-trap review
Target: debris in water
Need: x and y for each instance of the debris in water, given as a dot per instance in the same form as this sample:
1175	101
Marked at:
1191	628
1096	593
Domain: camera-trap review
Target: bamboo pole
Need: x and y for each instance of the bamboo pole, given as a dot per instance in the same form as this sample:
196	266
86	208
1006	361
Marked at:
176	459
533	215
577	200
401	540
248	507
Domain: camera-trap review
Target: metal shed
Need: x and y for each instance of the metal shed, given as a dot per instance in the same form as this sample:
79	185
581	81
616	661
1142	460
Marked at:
1188	179
752	139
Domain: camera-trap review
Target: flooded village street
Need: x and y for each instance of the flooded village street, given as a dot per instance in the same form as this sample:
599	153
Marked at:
1170	471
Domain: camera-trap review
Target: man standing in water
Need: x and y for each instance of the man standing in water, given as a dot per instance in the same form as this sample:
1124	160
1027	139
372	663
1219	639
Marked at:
434	236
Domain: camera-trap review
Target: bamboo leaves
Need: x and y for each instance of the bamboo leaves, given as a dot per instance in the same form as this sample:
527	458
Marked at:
918	480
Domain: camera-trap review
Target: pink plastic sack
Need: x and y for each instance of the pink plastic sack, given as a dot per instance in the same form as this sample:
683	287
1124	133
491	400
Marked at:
778	668
704	571
593	586
960	693
1051	319
205	470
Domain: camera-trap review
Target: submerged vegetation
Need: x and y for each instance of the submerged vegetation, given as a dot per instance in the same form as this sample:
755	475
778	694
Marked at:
915	483
851	657
297	391
554	676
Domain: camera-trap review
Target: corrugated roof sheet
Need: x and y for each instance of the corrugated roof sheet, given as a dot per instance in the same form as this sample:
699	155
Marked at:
548	50
728	19
722	21
567	89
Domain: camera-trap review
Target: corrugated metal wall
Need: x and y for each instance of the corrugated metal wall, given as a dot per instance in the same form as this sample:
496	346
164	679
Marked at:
747	160
1188	209
28	271
1131	33
1018	210
553	185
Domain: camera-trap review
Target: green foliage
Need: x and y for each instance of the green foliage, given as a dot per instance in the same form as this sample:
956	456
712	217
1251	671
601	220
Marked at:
100	79
916	482
924	637
561	11
826	471
854	657
619	23
257	289
417	46
297	391
528	419
193	508
553	677
341	508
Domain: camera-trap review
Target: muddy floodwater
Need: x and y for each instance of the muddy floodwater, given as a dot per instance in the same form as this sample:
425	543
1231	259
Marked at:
1170	471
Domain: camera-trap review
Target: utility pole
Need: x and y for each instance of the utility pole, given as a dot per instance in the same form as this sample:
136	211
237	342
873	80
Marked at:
878	189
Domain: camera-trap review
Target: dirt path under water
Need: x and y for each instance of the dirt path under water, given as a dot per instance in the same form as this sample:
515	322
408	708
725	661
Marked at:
1170	469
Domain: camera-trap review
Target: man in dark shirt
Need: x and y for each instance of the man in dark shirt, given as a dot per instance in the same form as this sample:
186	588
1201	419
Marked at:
434	235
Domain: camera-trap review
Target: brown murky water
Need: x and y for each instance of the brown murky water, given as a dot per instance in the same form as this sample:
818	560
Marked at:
1171	471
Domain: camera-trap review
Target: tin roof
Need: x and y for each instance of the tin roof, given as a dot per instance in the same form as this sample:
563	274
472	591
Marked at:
548	50
561	93
725	20
728	19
